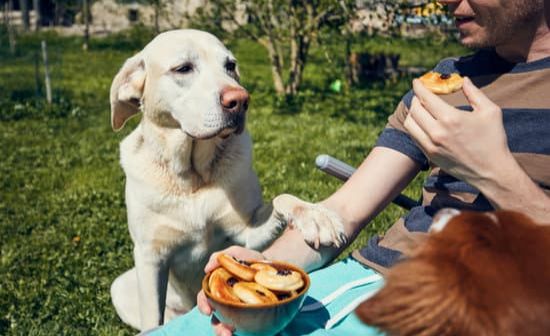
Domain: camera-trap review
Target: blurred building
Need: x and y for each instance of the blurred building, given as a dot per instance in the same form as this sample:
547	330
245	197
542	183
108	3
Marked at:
111	15
106	16
410	17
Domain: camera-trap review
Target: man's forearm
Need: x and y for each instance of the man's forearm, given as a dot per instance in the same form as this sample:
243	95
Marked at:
292	248
381	176
511	188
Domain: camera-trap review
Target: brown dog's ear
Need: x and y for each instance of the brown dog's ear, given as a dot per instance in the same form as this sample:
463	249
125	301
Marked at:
126	91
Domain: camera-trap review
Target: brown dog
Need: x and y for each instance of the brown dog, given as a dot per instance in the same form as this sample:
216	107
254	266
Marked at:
481	274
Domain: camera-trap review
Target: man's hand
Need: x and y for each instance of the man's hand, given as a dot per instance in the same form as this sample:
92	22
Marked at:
238	252
471	146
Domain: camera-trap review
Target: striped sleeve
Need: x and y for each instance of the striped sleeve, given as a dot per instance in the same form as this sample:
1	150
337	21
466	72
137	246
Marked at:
395	136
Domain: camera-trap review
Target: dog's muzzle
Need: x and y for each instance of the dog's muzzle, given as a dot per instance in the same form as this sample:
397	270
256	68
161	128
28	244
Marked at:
234	102
235	122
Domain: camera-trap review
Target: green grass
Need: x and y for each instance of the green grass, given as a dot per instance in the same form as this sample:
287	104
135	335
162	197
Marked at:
62	213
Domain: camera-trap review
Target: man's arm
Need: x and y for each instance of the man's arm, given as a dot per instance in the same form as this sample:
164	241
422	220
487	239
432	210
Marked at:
379	179
511	188
473	147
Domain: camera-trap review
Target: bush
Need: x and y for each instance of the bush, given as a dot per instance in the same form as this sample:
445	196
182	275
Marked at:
39	109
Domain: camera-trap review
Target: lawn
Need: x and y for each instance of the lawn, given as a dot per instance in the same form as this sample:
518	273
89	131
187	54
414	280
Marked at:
62	213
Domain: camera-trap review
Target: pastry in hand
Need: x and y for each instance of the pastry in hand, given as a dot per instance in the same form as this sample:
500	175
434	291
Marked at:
440	83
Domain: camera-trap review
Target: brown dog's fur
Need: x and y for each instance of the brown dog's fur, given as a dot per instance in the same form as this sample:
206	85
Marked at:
483	274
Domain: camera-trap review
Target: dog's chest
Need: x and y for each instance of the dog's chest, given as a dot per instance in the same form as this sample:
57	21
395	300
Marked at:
170	217
193	225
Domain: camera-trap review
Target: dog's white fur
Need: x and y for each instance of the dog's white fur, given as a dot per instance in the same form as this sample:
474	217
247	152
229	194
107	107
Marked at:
190	186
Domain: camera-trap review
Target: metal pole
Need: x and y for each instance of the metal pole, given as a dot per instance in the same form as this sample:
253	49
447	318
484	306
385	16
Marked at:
86	16
343	171
8	6
24	14
37	73
46	73
36	7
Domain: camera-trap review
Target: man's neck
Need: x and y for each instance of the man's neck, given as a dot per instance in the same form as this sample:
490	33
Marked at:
528	48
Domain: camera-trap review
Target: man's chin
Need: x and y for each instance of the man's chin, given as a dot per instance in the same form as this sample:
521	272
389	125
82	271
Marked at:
474	40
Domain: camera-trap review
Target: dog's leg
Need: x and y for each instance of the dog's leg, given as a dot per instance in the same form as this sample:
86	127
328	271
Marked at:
124	294
318	225
266	225
152	274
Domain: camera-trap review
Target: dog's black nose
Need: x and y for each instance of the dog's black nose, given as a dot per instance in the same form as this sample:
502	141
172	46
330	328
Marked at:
234	99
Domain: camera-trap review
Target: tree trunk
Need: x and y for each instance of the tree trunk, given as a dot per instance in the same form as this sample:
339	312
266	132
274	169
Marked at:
350	69
299	53
294	46
11	30
301	30
299	47
157	15
24	14
276	66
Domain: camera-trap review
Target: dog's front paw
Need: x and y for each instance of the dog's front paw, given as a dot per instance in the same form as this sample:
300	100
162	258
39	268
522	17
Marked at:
319	225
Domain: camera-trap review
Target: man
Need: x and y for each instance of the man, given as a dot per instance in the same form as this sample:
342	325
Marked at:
487	149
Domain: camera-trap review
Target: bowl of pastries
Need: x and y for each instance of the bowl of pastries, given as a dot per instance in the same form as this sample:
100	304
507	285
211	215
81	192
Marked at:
258	298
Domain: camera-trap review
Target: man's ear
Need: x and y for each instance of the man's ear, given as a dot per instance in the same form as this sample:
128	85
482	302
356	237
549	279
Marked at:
126	91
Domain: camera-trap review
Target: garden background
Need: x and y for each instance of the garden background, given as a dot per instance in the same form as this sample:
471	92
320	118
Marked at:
63	227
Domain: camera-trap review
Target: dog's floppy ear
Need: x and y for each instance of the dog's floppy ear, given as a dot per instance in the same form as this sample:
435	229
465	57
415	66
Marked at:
127	90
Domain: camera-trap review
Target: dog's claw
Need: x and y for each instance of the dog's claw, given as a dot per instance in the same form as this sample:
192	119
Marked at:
343	238
319	225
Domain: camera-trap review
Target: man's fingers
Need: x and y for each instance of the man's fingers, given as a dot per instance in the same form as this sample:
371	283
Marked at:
423	118
433	104
417	133
475	96
221	329
202	304
235	251
212	262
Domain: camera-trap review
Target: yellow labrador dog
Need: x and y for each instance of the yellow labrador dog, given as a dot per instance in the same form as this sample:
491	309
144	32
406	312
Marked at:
190	186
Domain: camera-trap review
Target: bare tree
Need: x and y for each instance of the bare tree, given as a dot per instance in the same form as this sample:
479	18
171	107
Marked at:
161	12
286	28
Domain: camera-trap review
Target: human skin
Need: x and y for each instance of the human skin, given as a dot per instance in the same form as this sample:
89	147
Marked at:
445	135
517	29
519	32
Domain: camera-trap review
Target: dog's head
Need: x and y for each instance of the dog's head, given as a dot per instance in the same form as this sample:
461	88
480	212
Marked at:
477	274
182	79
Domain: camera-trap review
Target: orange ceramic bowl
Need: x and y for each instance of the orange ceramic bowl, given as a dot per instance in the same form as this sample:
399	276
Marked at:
259	320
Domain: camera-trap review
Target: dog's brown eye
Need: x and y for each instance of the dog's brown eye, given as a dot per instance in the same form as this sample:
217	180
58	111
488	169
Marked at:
230	66
185	68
